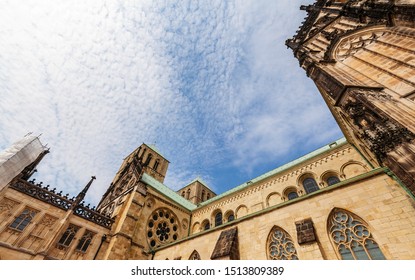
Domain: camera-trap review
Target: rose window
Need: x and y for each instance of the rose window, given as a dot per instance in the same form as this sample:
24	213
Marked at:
162	227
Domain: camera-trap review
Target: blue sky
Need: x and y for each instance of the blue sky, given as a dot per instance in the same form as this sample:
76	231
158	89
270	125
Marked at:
210	83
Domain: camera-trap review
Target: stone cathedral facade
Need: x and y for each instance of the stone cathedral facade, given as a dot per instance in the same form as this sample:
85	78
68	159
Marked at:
351	199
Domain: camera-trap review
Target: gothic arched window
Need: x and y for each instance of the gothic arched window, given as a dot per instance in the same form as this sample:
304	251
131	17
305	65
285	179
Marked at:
332	180
68	235
351	237
21	222
280	246
85	241
310	185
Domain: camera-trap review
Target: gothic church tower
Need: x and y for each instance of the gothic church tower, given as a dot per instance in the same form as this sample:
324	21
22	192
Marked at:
135	199
360	54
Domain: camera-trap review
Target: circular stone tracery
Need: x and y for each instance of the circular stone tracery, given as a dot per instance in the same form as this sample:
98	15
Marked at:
162	227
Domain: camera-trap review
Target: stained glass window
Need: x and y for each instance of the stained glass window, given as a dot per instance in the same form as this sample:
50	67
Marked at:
280	245
352	238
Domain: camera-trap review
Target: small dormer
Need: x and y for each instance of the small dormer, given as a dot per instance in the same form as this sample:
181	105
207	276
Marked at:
196	192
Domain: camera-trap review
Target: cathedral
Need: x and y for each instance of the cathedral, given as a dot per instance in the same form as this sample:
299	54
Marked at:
353	198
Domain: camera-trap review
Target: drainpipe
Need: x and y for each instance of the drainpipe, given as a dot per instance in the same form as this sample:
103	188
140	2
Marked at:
103	238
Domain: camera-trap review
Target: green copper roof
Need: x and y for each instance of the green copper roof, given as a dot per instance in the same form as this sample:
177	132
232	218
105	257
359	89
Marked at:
154	148
160	187
280	169
198	179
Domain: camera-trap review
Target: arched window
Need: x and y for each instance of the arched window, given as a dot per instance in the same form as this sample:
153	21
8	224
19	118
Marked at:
194	256
183	193
68	235
23	219
203	195
208	196
280	246
351	237
332	180
188	194
156	164
310	185
229	216
292	195
149	157
206	225
218	219
85	241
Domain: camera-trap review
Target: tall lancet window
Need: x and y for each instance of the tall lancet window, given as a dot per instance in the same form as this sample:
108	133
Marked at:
280	246
351	237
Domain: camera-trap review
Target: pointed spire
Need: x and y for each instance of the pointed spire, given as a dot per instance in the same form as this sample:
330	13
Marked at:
82	194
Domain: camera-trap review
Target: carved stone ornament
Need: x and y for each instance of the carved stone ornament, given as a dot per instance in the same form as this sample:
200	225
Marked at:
352	45
381	133
7	205
150	202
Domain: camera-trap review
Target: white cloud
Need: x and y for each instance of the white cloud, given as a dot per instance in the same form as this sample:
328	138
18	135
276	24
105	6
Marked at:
210	82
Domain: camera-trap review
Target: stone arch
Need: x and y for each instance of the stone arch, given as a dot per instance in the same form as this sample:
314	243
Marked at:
205	224
305	175
351	236
347	42
229	216
280	245
395	73
217	217
305	178
351	169
273	199
196	227
325	177
289	190
241	211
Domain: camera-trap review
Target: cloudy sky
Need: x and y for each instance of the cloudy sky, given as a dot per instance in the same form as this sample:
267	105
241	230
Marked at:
210	83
